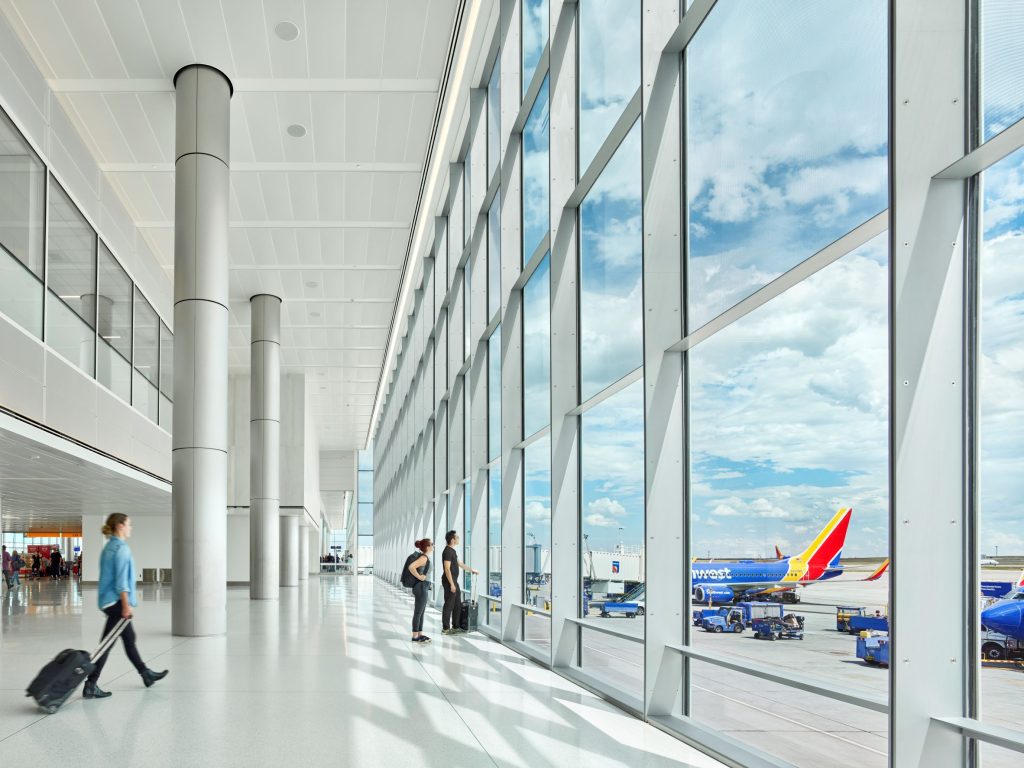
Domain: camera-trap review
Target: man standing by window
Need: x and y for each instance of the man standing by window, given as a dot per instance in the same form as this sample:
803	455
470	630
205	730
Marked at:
451	616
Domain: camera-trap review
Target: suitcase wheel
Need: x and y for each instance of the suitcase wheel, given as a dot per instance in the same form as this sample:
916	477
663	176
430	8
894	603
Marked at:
50	708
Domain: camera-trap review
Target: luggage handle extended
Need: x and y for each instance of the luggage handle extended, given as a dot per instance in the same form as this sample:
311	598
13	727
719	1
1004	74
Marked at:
107	642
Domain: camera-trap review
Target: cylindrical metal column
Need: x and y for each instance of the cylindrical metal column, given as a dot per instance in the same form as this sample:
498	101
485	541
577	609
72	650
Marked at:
265	448
289	551
303	553
200	433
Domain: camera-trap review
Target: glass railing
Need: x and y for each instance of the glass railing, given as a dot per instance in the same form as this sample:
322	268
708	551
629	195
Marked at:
69	335
113	371
21	294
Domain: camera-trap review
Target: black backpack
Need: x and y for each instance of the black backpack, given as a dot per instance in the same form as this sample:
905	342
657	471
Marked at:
408	580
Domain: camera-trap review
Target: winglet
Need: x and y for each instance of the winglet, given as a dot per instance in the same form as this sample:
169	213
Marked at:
879	571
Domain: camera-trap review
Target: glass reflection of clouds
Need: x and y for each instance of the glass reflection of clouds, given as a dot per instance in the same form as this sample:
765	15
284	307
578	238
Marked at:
789	415
611	262
537	494
612	470
536	190
494	257
786	139
609	49
1002	66
1001	357
494	394
537	349
534	36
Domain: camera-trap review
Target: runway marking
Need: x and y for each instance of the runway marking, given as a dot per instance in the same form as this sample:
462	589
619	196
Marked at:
796	722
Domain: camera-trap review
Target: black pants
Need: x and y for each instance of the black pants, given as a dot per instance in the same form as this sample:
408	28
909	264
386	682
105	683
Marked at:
419	591
127	636
451	616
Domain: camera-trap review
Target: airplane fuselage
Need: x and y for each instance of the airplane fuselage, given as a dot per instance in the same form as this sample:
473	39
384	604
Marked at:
748	576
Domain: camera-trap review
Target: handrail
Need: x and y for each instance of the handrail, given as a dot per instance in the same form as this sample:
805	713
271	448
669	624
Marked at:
860	698
532	609
996	735
608	630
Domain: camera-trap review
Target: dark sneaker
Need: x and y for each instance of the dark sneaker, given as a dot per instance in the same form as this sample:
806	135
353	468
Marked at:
93	691
422	639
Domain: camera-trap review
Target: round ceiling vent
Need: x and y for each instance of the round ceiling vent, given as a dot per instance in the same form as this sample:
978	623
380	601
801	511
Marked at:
296	131
286	31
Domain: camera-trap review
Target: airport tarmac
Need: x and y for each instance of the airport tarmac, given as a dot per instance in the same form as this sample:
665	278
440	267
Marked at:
805	729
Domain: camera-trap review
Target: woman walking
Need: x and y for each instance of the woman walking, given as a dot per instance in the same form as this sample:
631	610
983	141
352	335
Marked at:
116	600
419	568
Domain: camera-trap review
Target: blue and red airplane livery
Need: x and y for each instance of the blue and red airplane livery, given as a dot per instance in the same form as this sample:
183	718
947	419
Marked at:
724	581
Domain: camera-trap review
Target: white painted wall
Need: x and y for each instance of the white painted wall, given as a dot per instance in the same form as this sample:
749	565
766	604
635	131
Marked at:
150	543
238	548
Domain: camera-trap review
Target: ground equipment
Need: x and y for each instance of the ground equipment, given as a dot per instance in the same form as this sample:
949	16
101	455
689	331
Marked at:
790	627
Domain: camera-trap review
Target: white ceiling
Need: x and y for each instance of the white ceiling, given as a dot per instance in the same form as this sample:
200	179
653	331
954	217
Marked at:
322	221
50	486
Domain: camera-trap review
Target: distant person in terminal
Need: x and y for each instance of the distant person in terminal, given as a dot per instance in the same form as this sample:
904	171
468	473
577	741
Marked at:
451	616
7	568
116	600
417	567
17	563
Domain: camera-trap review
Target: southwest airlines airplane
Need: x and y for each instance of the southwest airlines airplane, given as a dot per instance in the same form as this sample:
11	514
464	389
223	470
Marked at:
721	582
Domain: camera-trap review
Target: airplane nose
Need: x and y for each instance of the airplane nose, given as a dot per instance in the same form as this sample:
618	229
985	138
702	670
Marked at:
1006	618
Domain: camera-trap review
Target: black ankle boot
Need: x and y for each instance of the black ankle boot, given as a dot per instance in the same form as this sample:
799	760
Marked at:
149	676
93	691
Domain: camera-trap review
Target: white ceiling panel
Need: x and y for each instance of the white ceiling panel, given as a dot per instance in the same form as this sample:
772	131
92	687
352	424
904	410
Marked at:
360	77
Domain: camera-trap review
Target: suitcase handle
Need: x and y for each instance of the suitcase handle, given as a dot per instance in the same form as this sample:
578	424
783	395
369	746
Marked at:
107	642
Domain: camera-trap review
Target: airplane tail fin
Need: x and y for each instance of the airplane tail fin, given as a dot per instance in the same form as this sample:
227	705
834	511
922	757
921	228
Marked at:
1020	580
824	552
878	571
778	553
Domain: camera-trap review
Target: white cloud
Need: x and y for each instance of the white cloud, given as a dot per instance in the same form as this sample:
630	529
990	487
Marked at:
606	506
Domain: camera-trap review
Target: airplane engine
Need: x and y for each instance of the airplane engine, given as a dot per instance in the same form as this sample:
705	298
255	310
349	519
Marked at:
705	593
1005	617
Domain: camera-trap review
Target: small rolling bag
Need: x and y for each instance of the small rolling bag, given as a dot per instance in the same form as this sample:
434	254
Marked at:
468	619
61	677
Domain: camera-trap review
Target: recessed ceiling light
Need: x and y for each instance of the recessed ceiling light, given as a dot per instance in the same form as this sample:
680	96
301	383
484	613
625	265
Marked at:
312	284
296	131
286	31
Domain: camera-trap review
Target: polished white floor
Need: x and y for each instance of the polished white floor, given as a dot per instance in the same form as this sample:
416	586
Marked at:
327	676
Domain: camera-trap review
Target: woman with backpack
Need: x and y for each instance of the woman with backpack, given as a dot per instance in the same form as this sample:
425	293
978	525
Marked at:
417	566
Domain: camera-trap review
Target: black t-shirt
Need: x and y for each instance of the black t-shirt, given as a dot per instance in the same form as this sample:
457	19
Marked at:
449	556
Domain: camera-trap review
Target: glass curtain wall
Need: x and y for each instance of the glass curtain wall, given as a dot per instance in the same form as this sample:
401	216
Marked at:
145	395
729	303
91	300
114	318
166	377
364	496
22	223
71	282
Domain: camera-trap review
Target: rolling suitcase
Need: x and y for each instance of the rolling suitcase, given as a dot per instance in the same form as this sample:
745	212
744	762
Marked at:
468	618
61	677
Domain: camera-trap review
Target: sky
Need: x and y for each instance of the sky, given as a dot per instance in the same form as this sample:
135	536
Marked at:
1001	367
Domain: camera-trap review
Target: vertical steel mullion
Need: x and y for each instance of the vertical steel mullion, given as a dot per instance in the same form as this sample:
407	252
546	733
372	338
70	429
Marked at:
46	251
96	306
511	326
666	530
131	354
930	521
564	327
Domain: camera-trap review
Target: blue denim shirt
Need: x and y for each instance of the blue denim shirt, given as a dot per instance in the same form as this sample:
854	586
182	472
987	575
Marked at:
117	573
